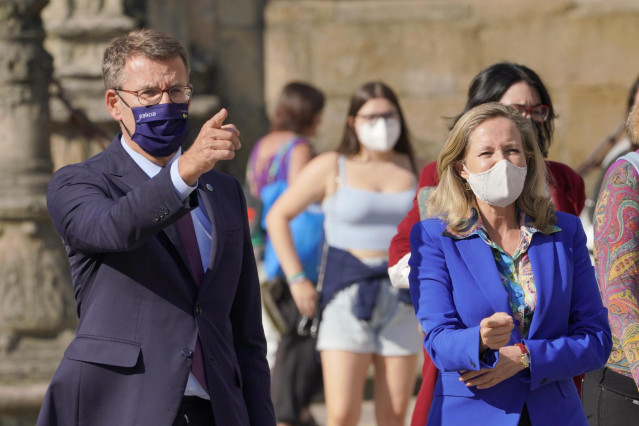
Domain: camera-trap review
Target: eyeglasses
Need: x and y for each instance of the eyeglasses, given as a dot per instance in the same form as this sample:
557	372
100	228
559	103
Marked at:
539	113
374	117
147	97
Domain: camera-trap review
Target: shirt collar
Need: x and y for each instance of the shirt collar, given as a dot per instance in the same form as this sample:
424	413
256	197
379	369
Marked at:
475	226
151	169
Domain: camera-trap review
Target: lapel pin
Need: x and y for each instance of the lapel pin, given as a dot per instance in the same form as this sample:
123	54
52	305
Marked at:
209	187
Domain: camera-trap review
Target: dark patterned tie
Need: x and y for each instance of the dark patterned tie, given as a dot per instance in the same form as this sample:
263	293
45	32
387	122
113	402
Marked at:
187	235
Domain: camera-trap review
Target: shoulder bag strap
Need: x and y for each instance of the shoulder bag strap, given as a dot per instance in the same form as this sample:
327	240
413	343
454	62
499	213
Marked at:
275	170
341	163
282	157
320	283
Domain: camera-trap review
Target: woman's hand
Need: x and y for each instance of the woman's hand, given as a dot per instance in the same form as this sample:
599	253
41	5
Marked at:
508	365
494	331
305	297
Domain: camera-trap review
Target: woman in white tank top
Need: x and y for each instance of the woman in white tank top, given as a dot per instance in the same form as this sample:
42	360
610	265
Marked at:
366	187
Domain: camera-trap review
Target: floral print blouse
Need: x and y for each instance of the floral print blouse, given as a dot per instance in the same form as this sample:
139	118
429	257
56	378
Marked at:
515	271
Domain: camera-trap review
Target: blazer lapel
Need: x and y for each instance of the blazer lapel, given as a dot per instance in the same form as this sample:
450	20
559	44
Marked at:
171	231
126	175
478	257
124	172
212	205
542	255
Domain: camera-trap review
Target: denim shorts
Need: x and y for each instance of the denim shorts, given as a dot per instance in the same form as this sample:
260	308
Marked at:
393	329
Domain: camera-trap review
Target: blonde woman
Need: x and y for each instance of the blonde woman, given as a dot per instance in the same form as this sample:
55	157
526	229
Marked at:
502	283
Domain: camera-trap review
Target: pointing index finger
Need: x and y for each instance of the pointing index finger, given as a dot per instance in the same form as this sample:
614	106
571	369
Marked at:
218	119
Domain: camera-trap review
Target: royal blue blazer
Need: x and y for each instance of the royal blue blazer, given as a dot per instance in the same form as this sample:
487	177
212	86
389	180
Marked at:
454	284
140	310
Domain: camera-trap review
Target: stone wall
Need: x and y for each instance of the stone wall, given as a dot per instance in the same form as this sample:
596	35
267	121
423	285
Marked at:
428	51
36	301
224	38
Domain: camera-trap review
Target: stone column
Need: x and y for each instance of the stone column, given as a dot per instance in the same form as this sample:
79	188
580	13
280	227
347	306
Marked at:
77	31
36	301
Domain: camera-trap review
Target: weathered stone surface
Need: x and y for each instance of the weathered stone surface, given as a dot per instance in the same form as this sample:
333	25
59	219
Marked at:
225	43
431	114
356	57
429	50
77	33
35	287
240	85
287	53
401	11
36	298
586	114
291	12
25	70
241	13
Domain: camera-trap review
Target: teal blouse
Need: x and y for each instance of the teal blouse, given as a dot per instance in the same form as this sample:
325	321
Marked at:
515	271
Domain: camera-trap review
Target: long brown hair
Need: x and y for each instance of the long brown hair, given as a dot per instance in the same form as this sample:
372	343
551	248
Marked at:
297	108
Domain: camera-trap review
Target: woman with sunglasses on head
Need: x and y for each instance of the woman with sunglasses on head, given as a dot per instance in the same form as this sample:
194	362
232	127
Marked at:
510	84
365	188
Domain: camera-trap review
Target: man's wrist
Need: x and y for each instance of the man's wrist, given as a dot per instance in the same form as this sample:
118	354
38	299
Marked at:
182	189
188	176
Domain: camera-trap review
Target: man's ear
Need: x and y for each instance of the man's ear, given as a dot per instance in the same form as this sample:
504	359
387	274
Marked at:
113	104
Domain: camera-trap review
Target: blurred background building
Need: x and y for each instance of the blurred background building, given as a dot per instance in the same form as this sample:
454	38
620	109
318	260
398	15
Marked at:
242	52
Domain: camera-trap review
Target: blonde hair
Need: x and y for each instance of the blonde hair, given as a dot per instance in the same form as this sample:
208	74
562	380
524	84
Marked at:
452	199
632	125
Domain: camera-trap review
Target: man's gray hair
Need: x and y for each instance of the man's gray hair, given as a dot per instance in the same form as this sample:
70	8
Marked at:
151	44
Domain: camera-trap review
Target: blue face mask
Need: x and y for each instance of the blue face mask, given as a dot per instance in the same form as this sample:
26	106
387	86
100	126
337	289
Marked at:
160	129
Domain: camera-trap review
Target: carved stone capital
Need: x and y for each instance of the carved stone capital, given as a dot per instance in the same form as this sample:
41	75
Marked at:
35	286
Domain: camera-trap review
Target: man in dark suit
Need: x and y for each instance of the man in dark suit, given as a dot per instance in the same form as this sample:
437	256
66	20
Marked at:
163	270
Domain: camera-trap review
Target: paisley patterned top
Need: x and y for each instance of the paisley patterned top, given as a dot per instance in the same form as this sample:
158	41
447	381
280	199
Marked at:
617	263
515	272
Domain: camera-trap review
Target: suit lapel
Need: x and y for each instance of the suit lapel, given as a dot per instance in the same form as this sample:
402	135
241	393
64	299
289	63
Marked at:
171	231
124	172
542	257
213	207
127	175
478	257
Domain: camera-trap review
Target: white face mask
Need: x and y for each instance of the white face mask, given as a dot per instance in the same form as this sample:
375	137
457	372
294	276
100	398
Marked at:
379	135
499	186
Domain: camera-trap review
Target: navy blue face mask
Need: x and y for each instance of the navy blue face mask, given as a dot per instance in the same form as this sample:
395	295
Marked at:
160	129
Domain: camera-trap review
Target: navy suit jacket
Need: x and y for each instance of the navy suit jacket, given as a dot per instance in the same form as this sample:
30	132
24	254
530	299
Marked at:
454	284
140	310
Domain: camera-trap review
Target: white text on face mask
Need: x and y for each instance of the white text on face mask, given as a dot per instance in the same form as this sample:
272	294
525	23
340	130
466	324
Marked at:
145	115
